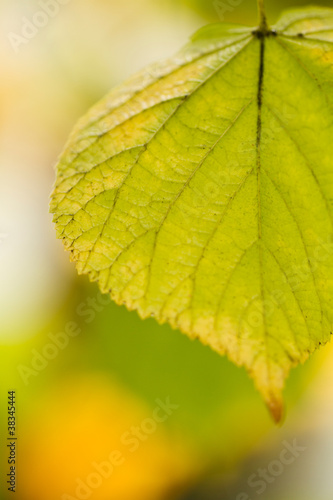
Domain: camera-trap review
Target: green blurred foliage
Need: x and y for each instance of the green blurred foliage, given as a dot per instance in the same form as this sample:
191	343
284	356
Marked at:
244	11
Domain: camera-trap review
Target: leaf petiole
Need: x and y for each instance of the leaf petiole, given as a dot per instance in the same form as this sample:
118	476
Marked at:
263	26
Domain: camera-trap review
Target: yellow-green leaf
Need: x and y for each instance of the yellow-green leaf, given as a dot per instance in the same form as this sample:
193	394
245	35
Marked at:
200	192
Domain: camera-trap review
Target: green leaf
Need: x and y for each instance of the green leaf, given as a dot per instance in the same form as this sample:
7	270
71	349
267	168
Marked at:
200	192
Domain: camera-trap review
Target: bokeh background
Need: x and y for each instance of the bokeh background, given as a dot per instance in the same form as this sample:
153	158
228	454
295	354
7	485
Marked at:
89	375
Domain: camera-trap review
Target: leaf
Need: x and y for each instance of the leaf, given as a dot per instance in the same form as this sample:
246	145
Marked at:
200	192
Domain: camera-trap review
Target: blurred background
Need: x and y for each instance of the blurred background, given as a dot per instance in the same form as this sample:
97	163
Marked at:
109	406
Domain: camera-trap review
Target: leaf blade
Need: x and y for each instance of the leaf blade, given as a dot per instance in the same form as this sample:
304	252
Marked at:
177	194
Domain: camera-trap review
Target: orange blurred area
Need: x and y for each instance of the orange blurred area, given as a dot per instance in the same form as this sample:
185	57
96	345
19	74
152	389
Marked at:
97	440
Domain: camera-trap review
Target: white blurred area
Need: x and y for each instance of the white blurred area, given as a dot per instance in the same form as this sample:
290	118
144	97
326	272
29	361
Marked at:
310	425
85	49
